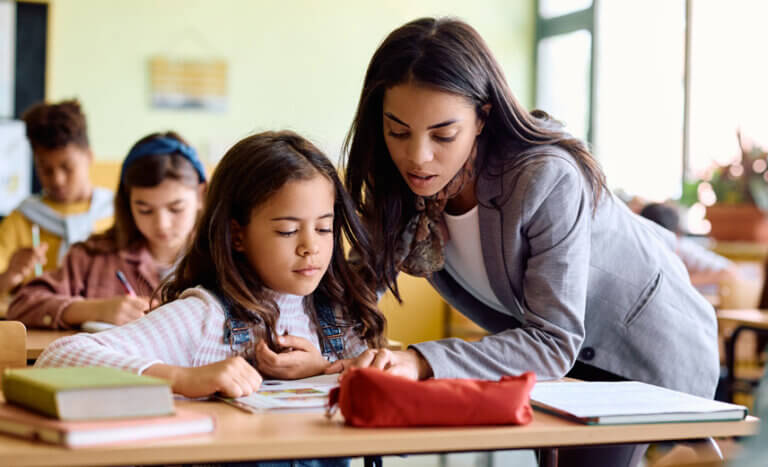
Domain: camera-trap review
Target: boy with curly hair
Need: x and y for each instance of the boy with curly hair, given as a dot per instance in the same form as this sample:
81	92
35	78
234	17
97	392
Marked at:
69	208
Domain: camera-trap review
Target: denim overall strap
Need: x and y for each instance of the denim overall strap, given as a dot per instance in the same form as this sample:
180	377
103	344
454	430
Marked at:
236	332
333	344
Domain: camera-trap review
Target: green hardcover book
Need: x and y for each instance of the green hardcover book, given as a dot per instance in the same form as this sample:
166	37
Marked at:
87	393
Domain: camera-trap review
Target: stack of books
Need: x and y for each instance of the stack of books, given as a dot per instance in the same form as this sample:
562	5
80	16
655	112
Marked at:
89	406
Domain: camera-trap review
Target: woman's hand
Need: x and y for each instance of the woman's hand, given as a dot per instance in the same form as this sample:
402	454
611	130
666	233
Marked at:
233	377
408	363
300	359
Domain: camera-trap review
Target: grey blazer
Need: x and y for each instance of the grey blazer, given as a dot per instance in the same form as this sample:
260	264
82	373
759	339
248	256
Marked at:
606	289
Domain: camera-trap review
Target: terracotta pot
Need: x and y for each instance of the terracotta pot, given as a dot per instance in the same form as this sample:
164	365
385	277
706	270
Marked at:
738	222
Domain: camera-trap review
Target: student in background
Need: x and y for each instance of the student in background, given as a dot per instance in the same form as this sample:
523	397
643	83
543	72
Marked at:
159	197
704	267
265	289
69	208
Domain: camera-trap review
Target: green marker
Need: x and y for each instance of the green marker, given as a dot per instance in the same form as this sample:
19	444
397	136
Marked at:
35	244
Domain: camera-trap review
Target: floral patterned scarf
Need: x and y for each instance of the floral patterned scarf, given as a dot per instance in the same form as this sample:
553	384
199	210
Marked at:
421	250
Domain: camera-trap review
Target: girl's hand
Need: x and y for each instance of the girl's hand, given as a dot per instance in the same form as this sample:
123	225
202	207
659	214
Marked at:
117	310
408	363
233	377
122	310
300	359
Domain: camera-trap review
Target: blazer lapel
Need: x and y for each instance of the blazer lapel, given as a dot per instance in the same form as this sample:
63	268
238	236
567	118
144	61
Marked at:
489	190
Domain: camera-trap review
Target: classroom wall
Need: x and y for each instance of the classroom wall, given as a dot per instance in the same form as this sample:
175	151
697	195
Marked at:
297	64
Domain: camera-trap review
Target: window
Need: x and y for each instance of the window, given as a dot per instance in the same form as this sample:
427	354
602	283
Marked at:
564	63
615	74
728	85
640	96
564	79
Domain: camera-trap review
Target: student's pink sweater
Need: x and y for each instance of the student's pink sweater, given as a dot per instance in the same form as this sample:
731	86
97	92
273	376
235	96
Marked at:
82	275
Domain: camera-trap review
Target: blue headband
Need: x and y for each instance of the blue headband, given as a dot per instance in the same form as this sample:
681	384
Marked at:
163	145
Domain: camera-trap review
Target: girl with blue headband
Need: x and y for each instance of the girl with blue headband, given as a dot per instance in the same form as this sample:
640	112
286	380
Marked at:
110	277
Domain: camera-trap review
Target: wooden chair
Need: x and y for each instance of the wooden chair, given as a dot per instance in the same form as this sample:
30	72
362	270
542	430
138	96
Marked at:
13	345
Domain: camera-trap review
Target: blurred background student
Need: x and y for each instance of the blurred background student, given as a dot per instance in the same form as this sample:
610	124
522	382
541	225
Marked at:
162	184
69	208
704	266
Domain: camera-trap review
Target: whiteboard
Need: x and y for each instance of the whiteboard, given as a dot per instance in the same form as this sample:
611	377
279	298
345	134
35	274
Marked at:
7	60
15	165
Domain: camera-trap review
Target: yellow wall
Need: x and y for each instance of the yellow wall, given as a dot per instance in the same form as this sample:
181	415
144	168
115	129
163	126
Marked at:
421	315
297	64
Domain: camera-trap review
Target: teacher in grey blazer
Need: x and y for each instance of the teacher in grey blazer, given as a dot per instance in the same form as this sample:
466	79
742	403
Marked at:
508	216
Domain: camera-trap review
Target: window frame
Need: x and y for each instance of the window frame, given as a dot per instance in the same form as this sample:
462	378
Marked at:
565	24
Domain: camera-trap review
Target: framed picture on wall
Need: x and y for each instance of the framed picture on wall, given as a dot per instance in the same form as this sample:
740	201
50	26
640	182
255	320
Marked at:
188	84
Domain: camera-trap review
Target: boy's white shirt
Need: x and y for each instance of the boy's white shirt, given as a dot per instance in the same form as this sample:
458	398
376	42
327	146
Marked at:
71	228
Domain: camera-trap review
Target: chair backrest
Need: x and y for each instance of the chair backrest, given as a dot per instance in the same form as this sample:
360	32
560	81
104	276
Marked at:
746	291
13	345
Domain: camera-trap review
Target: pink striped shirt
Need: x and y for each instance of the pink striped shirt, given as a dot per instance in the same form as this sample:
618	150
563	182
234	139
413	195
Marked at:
187	332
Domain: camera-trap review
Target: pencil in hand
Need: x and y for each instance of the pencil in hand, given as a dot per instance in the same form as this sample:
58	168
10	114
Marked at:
124	282
35	245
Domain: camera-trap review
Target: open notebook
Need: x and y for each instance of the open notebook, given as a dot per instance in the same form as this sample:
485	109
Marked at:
297	395
615	403
95	326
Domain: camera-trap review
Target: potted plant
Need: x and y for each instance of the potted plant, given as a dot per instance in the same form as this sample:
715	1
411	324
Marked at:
736	196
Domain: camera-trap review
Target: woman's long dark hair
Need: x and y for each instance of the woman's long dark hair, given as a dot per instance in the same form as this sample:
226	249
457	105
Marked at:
251	172
447	55
146	172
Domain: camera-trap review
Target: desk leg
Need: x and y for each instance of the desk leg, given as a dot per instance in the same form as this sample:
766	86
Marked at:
730	356
548	457
730	362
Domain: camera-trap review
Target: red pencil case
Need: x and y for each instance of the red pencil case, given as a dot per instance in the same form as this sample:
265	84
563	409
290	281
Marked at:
369	397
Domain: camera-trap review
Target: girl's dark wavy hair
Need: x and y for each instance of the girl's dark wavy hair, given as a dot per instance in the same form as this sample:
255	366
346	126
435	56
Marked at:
251	172
447	55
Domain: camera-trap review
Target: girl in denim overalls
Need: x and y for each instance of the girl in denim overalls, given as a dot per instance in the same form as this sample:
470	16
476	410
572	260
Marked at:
265	289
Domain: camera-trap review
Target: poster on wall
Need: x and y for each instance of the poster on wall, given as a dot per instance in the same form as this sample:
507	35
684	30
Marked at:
15	165
188	84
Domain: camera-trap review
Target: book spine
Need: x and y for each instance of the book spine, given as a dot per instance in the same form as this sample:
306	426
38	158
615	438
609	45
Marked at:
32	396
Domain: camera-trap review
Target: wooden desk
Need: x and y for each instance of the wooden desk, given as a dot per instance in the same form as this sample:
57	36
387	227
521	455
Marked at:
394	345
742	251
241	436
739	320
38	340
747	317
